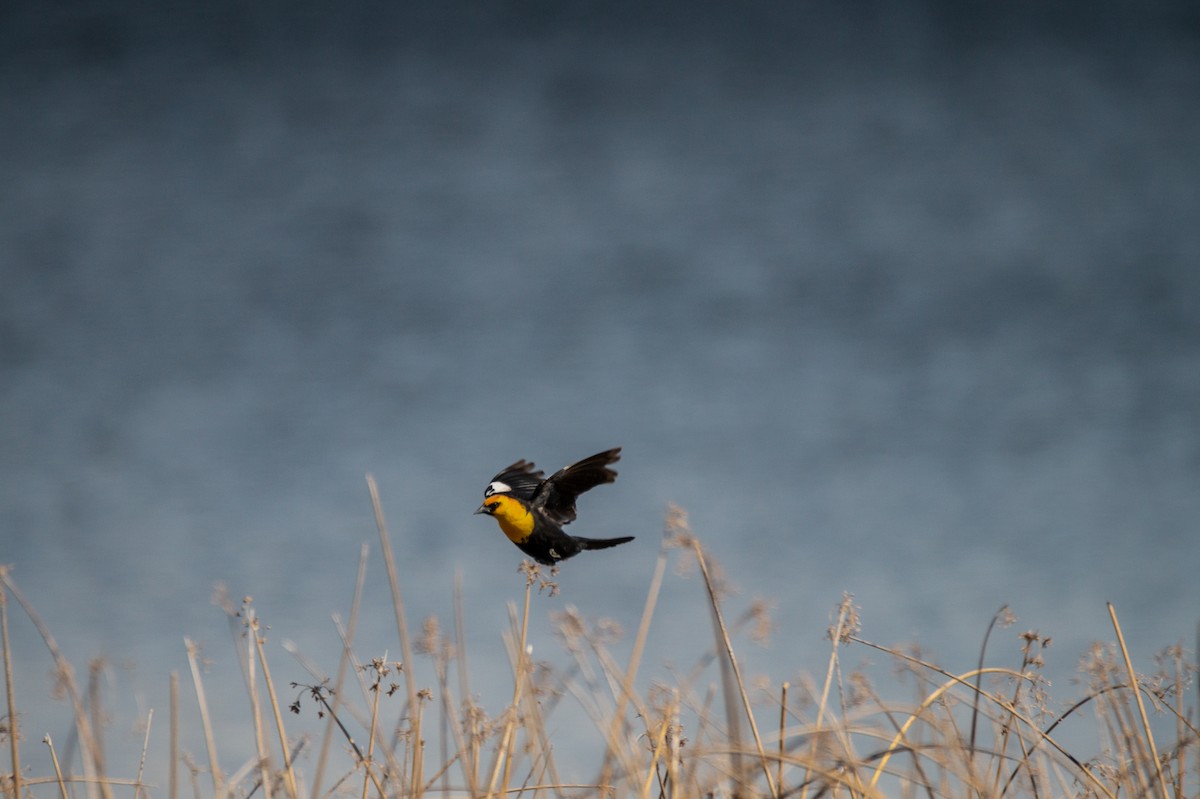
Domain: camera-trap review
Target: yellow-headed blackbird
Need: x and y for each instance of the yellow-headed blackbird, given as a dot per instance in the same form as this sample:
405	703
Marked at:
531	511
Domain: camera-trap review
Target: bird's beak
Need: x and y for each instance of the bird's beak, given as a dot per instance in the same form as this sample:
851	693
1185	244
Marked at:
482	509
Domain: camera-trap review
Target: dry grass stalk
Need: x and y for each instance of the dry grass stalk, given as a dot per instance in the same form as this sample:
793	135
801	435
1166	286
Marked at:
1137	695
58	775
214	767
173	748
253	628
389	561
66	677
504	750
344	664
716	607
137	794
14	732
616	728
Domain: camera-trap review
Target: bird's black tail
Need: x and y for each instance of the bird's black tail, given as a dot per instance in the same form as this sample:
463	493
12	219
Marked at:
601	543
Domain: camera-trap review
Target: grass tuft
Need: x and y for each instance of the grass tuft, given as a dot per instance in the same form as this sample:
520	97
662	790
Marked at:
990	732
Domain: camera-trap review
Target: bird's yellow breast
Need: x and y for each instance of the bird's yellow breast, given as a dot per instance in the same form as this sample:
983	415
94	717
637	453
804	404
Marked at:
515	519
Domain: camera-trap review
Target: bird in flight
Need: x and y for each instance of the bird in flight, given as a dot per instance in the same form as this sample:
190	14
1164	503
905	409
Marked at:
531	510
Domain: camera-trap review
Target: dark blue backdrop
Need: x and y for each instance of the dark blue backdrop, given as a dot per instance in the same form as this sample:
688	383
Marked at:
899	299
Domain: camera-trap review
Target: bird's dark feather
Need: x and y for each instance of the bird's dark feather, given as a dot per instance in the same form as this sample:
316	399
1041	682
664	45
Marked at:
601	543
556	495
522	478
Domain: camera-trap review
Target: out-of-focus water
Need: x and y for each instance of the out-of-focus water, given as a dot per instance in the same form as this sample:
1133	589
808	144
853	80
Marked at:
901	302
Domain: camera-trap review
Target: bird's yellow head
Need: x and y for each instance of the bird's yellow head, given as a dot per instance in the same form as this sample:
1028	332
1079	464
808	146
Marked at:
514	518
491	500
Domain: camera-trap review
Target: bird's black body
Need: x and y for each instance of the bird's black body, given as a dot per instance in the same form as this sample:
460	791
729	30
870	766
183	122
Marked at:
532	511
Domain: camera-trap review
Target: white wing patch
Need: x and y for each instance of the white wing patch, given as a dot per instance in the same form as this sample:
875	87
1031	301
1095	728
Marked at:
496	488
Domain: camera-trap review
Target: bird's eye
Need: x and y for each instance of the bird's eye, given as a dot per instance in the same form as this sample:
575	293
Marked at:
493	505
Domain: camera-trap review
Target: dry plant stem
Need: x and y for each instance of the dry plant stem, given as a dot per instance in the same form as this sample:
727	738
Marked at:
706	729
210	742
609	666
538	763
264	760
62	786
63	667
592	698
978	685
921	778
96	709
1043	735
13	731
173	764
1026	759
1046	732
733	725
441	666
234	780
193	777
1127	725
364	688
673	752
471	759
824	703
703	724
137	792
635	659
440	775
414	782
452	723
602	721
712	595
1180	726
358	753
522	665
343	664
369	761
783	702
1137	695
397	602
30	783
659	742
1006	732
897	742
502	751
604	716
668	737
842	733
289	774
535	726
558	788
455	722
368	692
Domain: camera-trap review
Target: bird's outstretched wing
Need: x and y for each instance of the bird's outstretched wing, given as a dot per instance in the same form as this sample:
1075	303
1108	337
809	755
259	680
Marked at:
557	493
521	479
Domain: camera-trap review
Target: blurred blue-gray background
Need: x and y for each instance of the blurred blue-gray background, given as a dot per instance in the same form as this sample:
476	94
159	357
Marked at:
895	299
